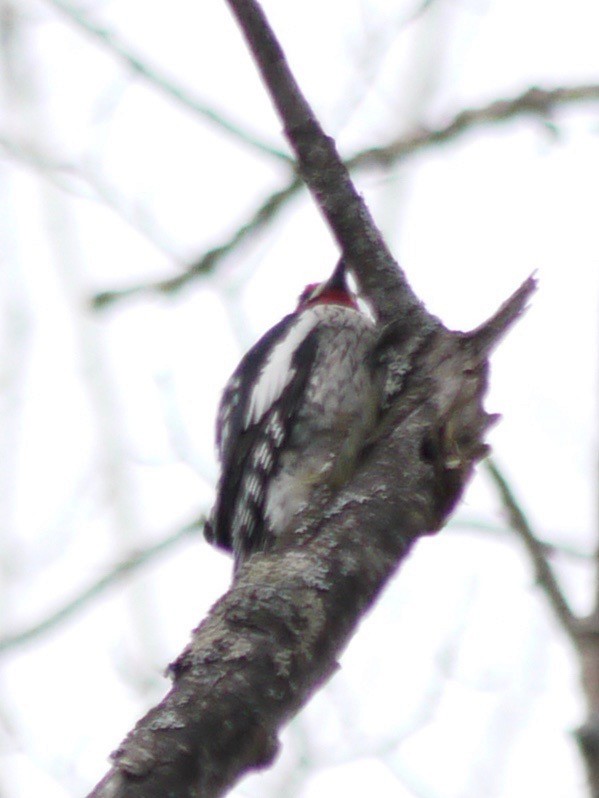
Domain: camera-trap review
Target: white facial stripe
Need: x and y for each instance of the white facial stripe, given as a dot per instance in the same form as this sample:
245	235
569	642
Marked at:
277	372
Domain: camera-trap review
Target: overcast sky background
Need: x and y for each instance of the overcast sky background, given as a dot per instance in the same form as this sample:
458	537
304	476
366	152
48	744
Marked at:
459	683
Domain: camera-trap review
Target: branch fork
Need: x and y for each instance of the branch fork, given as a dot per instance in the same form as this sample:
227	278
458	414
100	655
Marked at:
276	635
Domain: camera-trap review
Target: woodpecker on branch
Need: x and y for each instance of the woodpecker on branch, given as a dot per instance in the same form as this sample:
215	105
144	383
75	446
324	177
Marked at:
294	416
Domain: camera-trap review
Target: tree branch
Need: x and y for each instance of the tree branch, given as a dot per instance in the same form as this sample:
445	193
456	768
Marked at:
262	216
552	548
532	102
536	551
164	84
275	636
277	633
113	576
83	183
327	178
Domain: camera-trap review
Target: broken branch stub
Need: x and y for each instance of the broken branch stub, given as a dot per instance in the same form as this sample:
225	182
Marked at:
276	635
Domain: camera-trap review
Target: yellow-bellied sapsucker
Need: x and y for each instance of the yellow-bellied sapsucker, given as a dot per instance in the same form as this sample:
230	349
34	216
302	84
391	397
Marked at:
294	416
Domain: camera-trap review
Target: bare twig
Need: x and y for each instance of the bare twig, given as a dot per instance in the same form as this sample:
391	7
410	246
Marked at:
163	83
545	576
266	212
88	185
552	548
531	102
115	574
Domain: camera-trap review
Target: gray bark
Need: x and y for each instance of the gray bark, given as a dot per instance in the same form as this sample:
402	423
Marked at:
276	636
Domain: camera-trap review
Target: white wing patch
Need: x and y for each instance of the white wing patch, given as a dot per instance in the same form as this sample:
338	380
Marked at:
277	372
228	404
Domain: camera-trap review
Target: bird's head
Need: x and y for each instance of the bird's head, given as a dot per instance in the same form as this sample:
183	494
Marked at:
334	291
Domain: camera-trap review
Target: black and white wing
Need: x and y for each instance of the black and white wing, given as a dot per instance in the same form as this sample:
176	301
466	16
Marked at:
255	419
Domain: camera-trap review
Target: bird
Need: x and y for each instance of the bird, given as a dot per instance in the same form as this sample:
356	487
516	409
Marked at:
294	417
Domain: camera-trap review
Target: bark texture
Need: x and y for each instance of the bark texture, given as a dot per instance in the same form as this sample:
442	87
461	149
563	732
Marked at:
327	177
587	736
275	637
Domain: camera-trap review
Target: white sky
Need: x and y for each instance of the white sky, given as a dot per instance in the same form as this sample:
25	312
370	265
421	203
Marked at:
458	684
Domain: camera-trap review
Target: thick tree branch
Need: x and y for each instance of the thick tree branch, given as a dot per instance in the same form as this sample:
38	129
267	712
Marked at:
114	575
276	635
540	102
536	551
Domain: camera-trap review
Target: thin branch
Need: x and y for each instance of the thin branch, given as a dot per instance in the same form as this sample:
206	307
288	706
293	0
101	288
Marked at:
88	185
115	574
532	102
417	12
162	82
551	548
545	576
261	217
